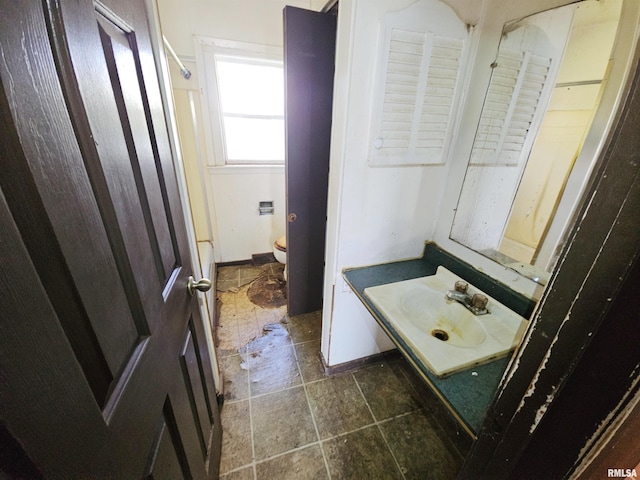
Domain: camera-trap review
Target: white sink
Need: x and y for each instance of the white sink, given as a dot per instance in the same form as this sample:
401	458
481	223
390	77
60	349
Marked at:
442	333
428	311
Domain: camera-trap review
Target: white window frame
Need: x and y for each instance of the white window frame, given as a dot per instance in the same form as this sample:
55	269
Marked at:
207	49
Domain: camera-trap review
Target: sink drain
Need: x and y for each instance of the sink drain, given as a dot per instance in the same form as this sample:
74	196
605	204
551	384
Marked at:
440	334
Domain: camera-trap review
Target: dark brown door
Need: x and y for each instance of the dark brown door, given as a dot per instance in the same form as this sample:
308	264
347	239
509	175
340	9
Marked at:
309	52
104	367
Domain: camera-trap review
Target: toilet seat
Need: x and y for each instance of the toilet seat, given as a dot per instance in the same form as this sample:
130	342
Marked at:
281	243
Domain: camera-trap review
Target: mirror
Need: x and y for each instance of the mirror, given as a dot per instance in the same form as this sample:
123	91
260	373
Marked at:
546	84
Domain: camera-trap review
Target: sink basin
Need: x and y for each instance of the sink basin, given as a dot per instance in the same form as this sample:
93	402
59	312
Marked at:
429	311
441	333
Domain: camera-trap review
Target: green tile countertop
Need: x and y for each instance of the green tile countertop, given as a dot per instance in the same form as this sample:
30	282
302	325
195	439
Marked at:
467	393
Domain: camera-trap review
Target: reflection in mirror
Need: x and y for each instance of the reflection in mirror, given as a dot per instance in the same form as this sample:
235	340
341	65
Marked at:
545	87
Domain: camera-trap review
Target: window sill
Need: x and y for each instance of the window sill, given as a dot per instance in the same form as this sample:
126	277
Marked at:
245	169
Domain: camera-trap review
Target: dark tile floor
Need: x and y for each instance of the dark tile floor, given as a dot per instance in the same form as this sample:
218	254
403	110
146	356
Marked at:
283	419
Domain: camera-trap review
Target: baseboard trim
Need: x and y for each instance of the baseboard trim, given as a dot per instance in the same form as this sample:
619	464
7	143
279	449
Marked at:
330	370
235	263
256	259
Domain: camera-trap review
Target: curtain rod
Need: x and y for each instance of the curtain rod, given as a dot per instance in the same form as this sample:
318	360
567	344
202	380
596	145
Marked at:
331	4
183	70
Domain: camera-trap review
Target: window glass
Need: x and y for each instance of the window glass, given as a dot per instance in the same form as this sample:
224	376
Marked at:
251	96
250	88
254	139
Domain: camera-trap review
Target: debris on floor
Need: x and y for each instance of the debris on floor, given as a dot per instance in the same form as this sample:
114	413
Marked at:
274	336
248	298
268	291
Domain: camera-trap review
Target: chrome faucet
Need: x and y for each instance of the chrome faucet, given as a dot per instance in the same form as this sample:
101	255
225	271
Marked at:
476	304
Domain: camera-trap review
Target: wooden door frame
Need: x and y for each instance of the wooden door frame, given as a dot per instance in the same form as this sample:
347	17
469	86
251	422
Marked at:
164	81
602	250
617	446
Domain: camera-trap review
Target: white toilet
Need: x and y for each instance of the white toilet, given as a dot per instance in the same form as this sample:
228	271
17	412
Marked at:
280	252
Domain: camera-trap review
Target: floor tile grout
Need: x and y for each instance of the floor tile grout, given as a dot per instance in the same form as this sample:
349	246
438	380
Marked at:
393	455
376	422
282	454
364	398
320	441
313	417
315	426
295	331
438	425
377	425
253	443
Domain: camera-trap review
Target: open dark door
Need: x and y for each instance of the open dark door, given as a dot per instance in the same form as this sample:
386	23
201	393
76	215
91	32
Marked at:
309	52
104	367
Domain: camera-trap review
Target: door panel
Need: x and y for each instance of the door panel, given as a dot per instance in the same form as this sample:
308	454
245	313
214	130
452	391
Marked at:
107	367
123	64
309	52
167	459
33	339
193	374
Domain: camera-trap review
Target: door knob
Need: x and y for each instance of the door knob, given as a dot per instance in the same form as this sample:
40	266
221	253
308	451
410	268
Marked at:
202	285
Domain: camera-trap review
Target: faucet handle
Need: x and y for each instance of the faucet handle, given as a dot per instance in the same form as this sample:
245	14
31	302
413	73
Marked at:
479	301
461	286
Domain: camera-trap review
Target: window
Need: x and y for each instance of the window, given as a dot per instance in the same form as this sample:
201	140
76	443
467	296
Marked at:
245	85
251	95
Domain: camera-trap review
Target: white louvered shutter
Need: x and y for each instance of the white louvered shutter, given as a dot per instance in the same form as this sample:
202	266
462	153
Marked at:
521	84
419	79
514	96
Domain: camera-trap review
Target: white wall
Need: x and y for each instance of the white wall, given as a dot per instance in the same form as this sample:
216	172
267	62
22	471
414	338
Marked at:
378	215
236	195
225	199
375	214
255	21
